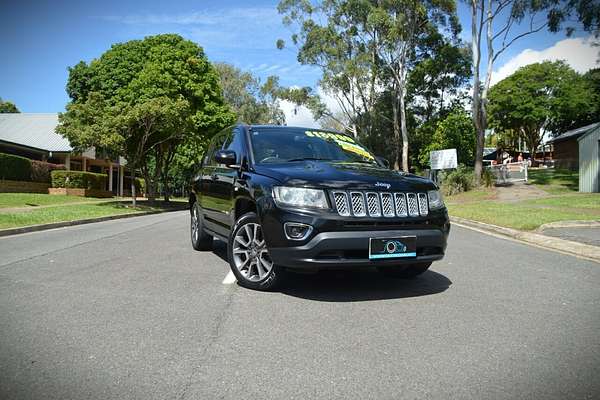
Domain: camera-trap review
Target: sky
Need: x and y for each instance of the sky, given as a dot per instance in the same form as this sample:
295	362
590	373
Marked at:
43	38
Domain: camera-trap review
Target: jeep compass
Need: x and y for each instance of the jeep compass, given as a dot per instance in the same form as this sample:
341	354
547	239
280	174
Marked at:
303	198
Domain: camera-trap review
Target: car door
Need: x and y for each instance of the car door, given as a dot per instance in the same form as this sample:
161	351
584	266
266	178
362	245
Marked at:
209	188
226	178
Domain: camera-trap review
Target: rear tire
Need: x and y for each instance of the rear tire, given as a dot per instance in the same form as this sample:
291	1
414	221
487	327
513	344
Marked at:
404	271
248	255
201	241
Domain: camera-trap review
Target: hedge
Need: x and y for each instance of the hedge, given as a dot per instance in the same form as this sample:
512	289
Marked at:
15	168
78	180
40	170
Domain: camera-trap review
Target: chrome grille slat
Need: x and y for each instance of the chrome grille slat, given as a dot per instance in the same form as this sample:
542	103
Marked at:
387	205
373	204
358	204
380	204
400	200
423	206
413	207
341	203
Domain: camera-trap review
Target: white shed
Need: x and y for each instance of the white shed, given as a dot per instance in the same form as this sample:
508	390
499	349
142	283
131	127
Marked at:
589	160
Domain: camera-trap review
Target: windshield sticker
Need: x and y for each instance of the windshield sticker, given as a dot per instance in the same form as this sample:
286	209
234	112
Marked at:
355	149
329	136
345	142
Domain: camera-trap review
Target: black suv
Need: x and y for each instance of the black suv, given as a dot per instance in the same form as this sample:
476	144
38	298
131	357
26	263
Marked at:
303	198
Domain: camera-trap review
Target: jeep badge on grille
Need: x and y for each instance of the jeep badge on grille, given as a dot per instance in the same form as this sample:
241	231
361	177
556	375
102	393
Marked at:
382	184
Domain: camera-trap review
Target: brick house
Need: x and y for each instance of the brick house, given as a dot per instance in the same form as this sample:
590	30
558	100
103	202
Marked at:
34	136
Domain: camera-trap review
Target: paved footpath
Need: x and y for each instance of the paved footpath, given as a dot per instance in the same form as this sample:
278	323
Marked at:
126	309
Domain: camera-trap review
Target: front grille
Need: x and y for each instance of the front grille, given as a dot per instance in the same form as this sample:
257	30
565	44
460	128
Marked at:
358	204
413	206
380	204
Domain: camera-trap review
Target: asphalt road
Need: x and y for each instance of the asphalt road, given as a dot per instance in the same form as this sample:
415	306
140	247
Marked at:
126	309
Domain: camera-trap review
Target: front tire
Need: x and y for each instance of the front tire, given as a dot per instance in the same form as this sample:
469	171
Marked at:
249	257
201	241
404	271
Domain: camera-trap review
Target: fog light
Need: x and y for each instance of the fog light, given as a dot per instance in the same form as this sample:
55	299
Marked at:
296	230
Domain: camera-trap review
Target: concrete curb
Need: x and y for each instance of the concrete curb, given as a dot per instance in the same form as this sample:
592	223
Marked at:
54	225
576	249
569	224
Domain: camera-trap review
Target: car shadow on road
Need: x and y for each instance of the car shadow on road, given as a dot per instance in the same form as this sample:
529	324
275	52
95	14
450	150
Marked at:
361	285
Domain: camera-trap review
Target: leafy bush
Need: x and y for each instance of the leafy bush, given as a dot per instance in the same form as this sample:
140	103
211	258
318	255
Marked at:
15	168
487	177
78	179
140	185
40	170
457	181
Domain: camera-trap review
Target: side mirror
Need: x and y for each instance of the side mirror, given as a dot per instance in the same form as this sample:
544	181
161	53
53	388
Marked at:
382	161
226	157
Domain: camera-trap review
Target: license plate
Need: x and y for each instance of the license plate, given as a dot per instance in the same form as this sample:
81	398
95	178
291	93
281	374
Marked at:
400	247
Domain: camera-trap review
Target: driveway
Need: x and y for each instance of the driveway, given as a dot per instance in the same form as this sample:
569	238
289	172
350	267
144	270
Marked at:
126	309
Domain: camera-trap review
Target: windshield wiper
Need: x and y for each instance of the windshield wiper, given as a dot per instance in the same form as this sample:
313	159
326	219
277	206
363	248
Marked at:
310	159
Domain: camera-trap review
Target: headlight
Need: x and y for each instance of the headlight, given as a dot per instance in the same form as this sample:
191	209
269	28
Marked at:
299	197
435	200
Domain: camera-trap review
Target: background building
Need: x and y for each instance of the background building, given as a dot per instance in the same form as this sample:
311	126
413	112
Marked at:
34	136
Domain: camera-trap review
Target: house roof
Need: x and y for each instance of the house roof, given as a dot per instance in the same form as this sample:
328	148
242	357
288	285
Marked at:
589	132
575	133
33	130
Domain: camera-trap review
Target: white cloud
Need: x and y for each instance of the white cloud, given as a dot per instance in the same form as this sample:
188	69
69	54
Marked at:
297	116
577	52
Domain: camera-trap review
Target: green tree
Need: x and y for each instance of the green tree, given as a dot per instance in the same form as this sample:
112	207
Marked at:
500	23
7	107
540	98
253	102
145	99
363	49
456	131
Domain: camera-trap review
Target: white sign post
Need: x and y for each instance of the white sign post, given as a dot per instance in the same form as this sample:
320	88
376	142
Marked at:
443	159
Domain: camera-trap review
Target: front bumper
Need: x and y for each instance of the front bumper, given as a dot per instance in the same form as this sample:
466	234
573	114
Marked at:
344	241
351	249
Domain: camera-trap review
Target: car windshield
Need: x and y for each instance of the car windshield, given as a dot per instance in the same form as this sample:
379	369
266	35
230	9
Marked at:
279	145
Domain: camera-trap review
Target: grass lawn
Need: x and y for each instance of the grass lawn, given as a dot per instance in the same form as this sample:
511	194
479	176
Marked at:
67	213
558	200
554	181
24	209
14	200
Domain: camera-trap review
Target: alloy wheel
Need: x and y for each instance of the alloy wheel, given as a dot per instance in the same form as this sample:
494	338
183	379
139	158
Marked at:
195	224
250	254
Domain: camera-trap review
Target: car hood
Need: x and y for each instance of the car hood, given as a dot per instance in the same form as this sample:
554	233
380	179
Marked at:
343	175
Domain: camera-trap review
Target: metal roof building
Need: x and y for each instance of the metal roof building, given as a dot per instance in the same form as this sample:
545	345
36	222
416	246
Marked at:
34	136
34	131
589	159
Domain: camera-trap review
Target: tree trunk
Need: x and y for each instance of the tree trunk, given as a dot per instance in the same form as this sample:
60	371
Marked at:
150	186
476	104
396	125
404	130
133	199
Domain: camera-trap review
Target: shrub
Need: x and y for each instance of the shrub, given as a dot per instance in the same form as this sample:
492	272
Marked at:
140	185
457	181
78	179
15	168
40	170
487	177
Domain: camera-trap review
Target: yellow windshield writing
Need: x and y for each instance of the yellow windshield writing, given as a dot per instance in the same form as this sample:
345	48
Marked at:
345	142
